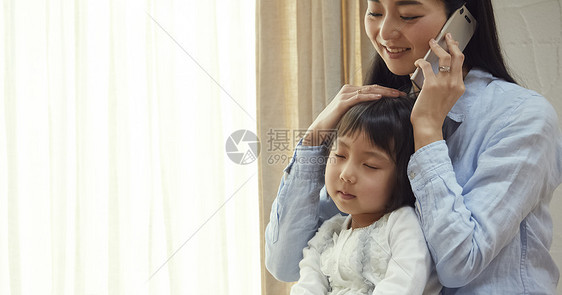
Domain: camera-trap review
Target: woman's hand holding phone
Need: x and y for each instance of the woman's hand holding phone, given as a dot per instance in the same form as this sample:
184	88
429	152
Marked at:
439	94
347	97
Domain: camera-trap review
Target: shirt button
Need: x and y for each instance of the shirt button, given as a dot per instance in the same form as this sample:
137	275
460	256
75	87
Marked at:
412	175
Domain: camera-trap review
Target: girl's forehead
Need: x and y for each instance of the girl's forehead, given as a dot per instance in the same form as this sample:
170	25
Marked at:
358	139
360	144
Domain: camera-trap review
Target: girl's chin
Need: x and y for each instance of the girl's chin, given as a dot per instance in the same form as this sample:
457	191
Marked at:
340	207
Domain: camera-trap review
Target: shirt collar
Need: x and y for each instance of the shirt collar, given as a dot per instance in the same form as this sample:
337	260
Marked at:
476	80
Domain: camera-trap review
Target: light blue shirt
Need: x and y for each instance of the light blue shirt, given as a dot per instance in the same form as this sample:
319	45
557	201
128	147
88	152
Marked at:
482	194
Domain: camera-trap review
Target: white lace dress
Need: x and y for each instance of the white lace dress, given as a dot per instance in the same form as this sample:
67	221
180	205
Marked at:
388	257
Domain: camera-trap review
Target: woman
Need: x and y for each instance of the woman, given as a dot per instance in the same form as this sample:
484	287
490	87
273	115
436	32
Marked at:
487	159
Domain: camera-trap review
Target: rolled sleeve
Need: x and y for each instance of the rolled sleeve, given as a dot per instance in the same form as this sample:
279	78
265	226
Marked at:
427	164
428	161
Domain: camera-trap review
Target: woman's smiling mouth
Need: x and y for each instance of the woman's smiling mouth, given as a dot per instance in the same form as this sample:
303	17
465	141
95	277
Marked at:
395	52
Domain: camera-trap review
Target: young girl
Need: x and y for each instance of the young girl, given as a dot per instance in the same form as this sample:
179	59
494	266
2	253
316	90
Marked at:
488	156
379	247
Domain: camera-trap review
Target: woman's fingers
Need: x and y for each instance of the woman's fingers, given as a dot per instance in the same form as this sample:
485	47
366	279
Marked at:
426	68
450	63
457	57
444	56
384	91
360	95
371	89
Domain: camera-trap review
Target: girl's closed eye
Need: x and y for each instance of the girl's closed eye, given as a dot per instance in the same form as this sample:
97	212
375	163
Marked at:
375	14
371	166
339	156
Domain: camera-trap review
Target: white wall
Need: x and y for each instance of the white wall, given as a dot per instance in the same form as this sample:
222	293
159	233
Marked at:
531	35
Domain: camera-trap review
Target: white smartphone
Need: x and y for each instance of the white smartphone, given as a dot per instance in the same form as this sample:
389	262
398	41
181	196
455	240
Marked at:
461	25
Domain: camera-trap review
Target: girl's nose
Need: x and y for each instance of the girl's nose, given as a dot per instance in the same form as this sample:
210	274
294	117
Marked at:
347	175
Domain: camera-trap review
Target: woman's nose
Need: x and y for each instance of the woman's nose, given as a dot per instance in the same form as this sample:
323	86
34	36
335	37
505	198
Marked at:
389	29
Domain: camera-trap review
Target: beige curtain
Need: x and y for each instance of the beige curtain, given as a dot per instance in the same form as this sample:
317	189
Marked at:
306	50
114	177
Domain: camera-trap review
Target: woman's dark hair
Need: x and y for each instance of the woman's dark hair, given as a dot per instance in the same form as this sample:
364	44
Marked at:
386	123
482	51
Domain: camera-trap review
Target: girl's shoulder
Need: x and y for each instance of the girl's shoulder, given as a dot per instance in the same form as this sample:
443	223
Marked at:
334	224
403	214
328	233
404	222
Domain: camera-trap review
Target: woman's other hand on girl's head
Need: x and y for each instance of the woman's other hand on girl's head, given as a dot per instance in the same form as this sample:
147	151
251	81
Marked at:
439	93
347	97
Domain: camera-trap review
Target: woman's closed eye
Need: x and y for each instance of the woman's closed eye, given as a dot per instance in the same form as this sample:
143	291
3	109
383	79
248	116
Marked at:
404	18
409	18
339	156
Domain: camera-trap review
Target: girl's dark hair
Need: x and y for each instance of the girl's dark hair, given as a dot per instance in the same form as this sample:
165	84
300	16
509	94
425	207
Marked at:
482	51
386	123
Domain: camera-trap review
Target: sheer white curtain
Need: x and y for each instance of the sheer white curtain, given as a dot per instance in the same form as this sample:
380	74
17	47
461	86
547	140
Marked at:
113	172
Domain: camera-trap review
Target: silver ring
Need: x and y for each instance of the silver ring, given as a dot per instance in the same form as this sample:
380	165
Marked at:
445	69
